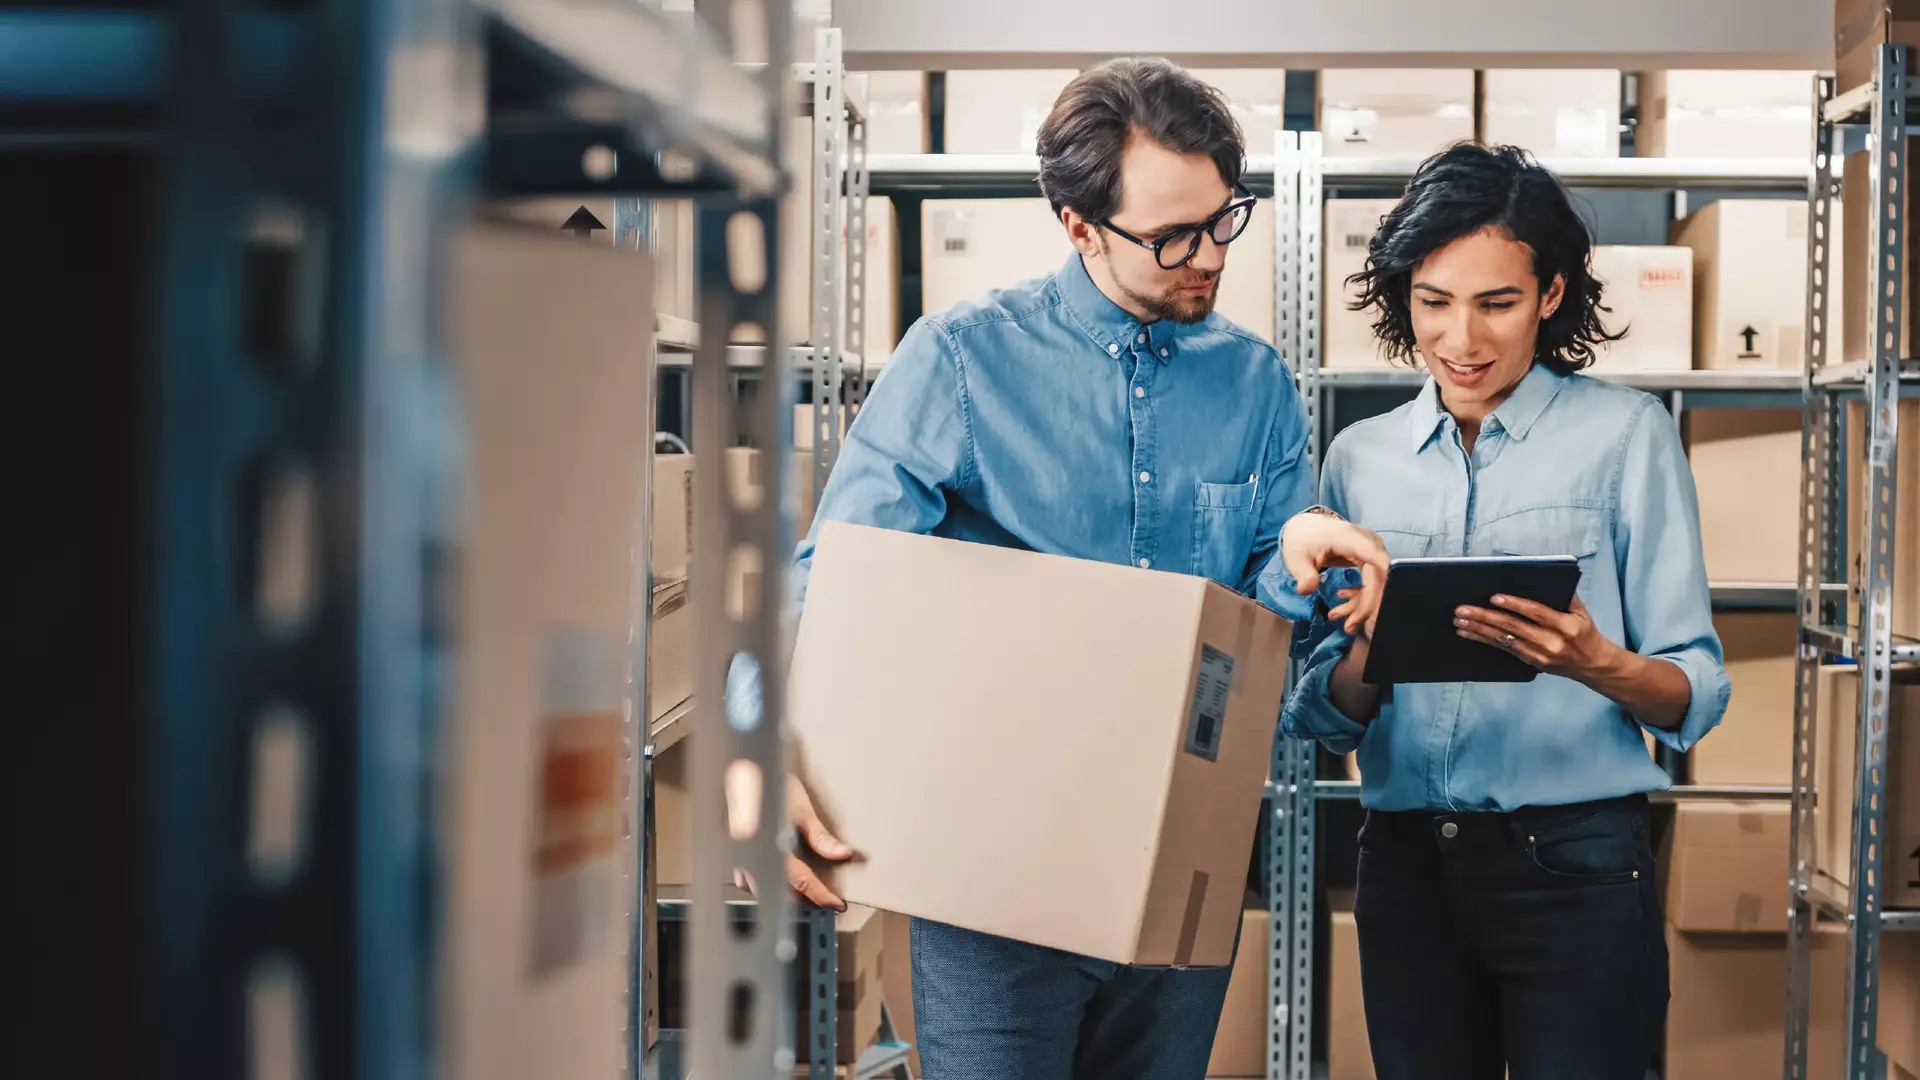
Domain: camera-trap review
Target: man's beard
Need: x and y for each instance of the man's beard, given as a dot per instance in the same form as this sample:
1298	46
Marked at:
1176	308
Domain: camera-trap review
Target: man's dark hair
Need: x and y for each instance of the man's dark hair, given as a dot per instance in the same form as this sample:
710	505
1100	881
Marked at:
1460	191
1083	137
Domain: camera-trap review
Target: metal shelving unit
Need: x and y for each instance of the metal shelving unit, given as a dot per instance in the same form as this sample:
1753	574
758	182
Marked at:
1301	180
1880	380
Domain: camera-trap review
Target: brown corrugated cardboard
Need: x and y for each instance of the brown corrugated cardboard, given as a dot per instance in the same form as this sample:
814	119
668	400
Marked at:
1861	26
972	246
1838	727
1750	284
1725	114
1171	745
1394	112
1246	293
1346	336
1727	1014
1349	1057
672	825
1553	113
1754	742
1240	1042
1000	112
1856	287
896	980
551	353
672	517
1906	514
1724	866
897	112
1750	531
669	649
1650	292
860	959
1899	1017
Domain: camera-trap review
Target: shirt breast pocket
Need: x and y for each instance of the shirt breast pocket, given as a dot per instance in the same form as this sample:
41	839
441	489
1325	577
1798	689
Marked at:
1223	524
1554	530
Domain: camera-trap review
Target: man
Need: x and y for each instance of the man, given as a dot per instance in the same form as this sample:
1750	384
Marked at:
1102	412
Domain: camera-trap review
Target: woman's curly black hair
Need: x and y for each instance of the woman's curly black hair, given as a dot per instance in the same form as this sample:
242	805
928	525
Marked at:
1458	192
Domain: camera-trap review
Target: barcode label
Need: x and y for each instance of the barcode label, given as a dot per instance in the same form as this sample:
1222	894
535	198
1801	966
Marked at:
1206	720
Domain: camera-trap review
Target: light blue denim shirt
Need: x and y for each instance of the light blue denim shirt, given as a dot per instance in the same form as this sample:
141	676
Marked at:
1565	466
1045	417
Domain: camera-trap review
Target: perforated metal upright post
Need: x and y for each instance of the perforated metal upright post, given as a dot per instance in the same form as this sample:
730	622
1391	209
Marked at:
829	249
1888	170
1819	563
740	1012
856	276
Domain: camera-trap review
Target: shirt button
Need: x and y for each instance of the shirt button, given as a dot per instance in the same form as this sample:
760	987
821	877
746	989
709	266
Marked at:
1449	830
1145	563
1139	391
1163	352
1113	350
1141	340
1146	478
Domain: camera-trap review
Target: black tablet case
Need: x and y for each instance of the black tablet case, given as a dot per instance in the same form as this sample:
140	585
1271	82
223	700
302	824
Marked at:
1414	639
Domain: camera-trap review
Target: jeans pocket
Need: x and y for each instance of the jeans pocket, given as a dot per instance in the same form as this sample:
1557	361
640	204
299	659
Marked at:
1603	848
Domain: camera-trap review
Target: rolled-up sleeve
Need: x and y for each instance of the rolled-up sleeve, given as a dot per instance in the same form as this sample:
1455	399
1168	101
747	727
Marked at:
1288	482
1668	607
1310	712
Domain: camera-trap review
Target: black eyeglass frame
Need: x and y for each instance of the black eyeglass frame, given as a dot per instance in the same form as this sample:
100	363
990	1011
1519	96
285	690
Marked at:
1245	201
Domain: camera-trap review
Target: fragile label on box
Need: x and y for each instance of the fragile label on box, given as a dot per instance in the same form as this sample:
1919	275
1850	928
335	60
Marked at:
576	855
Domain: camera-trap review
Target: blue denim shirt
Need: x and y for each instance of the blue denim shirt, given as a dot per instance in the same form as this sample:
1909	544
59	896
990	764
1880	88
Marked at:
1566	465
1045	417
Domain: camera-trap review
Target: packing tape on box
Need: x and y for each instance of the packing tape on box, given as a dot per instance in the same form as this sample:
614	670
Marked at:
1190	921
1747	909
1243	647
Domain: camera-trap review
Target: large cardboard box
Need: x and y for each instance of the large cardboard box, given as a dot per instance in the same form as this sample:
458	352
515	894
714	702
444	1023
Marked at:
1906	514
1346	336
897	112
1726	114
1724	867
1754	742
1727	1015
1349	1055
1860	27
1240	1042
860	958
1394	112
1169	747
1838	733
676	239
552	356
1750	530
1000	112
1750	284
1555	114
1650	292
972	246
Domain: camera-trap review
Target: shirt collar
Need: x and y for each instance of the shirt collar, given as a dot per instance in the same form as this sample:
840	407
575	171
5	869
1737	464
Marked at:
1106	323
1516	415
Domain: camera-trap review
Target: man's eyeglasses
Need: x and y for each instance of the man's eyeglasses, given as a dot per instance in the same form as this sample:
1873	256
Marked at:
1177	247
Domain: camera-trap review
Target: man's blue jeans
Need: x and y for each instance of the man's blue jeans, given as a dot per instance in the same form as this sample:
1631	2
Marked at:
986	1008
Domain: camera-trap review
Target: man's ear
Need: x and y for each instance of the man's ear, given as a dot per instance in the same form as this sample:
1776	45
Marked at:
1081	233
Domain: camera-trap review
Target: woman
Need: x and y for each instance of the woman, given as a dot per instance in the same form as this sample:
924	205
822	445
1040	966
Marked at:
1506	903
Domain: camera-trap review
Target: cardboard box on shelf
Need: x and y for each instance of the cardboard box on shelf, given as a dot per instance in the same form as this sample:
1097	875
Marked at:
1856	283
669	649
1394	112
1160	820
1750	531
1725	114
1346	336
672	517
803	432
672	821
1728	1008
1750	284
1899	1017
1860	27
1349	1056
972	246
1906	514
880	321
1258	100
1724	867
1754	742
1554	114
897	112
1000	112
536	942
1837	734
896	982
675	240
1240	1042
861	957
1650	292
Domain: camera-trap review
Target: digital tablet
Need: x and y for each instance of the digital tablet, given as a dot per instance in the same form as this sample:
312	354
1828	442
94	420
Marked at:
1414	639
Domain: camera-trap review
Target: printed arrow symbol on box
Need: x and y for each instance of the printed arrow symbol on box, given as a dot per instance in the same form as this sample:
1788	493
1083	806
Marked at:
582	223
1748	333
